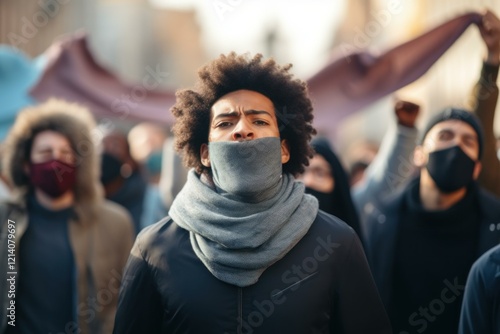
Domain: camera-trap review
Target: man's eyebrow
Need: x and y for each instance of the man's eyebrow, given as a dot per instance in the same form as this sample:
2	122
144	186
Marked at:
471	136
43	149
246	112
226	114
257	112
449	130
468	136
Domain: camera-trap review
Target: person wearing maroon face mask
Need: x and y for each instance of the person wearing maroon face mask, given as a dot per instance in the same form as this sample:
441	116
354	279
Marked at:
62	245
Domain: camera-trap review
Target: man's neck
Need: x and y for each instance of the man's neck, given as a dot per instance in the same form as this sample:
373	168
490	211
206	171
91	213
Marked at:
62	202
432	198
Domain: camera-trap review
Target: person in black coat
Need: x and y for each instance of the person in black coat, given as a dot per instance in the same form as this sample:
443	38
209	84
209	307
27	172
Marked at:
481	306
244	249
422	242
326	179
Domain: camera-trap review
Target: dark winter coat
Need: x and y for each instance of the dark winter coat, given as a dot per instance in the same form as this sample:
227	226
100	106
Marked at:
380	232
481	305
323	285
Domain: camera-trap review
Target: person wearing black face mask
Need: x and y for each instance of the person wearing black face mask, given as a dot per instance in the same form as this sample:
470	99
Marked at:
123	184
326	179
422	242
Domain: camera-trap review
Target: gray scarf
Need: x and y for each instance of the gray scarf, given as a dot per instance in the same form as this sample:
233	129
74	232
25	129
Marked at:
237	240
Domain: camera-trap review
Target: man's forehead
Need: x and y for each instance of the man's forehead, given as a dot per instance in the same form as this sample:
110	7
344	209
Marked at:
455	125
246	98
319	161
50	137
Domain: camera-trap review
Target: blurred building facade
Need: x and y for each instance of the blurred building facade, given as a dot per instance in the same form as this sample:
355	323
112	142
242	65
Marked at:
126	36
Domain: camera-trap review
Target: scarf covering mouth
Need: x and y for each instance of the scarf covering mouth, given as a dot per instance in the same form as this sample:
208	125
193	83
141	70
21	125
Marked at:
236	240
247	171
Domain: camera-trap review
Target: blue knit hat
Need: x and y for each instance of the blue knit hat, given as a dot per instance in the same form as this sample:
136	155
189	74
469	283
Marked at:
457	114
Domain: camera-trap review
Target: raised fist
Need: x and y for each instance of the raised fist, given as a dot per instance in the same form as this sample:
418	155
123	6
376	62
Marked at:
406	113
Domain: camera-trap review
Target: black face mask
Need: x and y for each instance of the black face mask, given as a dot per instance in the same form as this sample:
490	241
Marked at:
451	169
325	200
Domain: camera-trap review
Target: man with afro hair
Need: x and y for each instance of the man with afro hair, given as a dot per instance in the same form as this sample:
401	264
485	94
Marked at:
244	249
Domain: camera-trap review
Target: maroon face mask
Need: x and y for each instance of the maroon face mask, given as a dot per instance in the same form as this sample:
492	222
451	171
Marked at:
53	177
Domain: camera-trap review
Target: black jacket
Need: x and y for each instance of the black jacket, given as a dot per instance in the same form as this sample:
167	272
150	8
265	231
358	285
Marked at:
481	306
380	232
323	285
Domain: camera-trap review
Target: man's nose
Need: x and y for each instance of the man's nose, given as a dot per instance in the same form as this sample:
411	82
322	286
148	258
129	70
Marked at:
242	131
57	155
458	142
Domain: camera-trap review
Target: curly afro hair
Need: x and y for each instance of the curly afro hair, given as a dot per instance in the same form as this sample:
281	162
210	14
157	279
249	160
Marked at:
233	72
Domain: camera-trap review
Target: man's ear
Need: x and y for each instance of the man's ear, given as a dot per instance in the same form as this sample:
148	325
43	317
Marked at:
419	156
285	152
477	170
205	158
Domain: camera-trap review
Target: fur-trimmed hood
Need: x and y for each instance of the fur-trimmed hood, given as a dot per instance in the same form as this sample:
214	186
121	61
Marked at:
75	123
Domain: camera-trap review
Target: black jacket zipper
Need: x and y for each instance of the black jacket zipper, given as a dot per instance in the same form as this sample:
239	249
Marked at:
240	311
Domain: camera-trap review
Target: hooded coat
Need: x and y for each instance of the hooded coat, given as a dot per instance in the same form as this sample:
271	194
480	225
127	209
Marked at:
100	234
341	204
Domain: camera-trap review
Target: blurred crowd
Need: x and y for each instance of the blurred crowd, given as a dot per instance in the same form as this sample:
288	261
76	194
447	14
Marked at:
75	193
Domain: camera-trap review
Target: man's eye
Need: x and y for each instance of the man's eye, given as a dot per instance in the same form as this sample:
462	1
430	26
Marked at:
321	173
445	136
260	122
223	124
470	143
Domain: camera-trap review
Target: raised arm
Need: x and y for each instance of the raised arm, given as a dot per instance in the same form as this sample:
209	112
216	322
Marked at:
484	100
393	164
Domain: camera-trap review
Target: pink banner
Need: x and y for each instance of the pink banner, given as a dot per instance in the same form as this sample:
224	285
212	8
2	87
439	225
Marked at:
73	74
352	82
342	87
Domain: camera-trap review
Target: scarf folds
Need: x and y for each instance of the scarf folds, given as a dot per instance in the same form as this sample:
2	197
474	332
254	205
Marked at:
237	241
